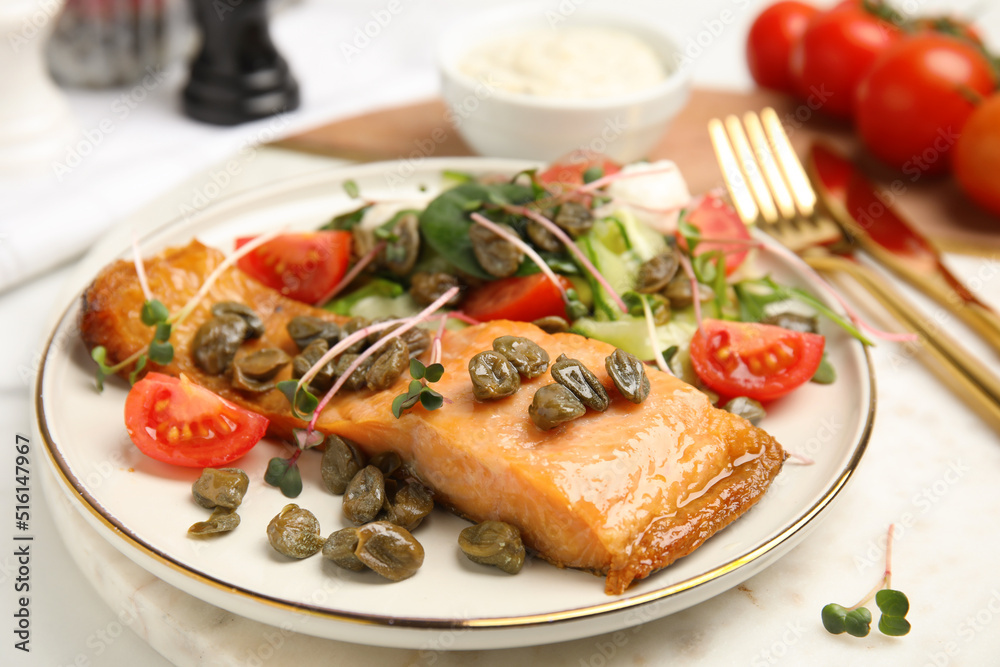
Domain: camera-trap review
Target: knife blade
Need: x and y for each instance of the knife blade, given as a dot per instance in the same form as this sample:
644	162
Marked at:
877	227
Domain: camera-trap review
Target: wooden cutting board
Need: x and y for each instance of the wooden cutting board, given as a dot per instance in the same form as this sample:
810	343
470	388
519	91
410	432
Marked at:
933	204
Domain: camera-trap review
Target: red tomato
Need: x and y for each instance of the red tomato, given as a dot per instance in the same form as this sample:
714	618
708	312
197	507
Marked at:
976	160
304	266
571	171
759	361
718	220
769	45
835	51
912	104
176	421
523	299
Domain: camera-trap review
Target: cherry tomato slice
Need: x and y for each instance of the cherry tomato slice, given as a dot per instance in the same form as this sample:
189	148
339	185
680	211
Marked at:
772	37
571	172
523	299
176	421
716	219
303	266
760	361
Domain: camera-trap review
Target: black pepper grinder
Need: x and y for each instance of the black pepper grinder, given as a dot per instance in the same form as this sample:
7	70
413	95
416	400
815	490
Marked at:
238	75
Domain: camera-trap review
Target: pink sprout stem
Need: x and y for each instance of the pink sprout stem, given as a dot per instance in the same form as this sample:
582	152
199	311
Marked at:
620	175
572	247
409	324
462	317
651	328
525	248
340	347
436	343
801	458
358	267
695	291
140	270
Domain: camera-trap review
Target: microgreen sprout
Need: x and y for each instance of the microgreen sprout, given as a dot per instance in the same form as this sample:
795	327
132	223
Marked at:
284	473
418	391
351	188
856	620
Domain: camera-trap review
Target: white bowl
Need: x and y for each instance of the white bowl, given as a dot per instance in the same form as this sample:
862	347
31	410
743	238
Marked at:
498	123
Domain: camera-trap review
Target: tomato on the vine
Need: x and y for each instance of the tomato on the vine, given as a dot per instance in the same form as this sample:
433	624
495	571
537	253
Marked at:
772	37
176	421
976	160
524	299
913	103
835	51
759	361
304	266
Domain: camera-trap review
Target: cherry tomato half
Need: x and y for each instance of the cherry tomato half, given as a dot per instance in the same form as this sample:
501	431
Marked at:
571	171
716	219
913	103
176	421
760	361
769	45
976	160
524	299
303	266
835	51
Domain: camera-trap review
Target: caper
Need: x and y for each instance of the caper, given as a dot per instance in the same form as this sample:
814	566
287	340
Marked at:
553	405
401	254
793	321
340	463
222	520
410	505
499	257
304	329
216	342
308	358
747	408
365	495
389	550
255	371
678	291
426	288
525	355
255	326
294	532
575	218
389	363
628	374
542	237
340	548
357	379
655	274
572	374
492	376
388	462
220	487
493	543
417	340
351	326
659	308
552	324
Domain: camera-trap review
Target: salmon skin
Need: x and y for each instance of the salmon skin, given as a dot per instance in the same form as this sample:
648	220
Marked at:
622	493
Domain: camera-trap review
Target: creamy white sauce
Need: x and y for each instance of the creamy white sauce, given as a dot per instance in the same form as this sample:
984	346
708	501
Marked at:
655	193
571	62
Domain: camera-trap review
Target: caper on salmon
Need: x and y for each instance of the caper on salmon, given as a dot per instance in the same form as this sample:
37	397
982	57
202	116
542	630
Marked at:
324	377
220	487
493	543
294	532
526	356
492	376
364	495
552	324
357	380
341	546
222	520
255	325
628	374
351	326
216	342
572	374
304	329
388	364
340	463
553	405
389	550
256	371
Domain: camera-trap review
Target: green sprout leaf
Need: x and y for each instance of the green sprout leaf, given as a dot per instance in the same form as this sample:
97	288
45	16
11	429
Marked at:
140	363
351	188
162	333
593	173
430	399
894	626
305	439
285	475
403	402
417	369
302	401
161	353
825	374
892	602
100	355
154	312
434	372
833	619
858	622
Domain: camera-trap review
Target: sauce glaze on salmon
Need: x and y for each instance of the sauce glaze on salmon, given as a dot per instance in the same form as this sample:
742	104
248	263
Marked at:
622	493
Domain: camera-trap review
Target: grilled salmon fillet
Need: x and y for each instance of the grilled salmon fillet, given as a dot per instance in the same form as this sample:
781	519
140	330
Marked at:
622	493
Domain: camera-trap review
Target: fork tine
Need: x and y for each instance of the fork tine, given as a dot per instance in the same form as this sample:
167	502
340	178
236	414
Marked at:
748	164
802	190
765	157
739	191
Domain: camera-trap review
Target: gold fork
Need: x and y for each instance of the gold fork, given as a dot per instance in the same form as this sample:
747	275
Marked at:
769	187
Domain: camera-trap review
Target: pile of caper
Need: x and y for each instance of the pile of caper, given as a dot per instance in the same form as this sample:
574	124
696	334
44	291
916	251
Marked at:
496	374
218	341
220	490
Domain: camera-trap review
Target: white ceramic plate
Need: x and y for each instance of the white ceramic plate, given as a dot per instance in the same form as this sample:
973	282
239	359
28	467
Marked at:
144	507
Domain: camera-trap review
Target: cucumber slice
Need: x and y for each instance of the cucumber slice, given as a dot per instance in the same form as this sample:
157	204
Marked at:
632	335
